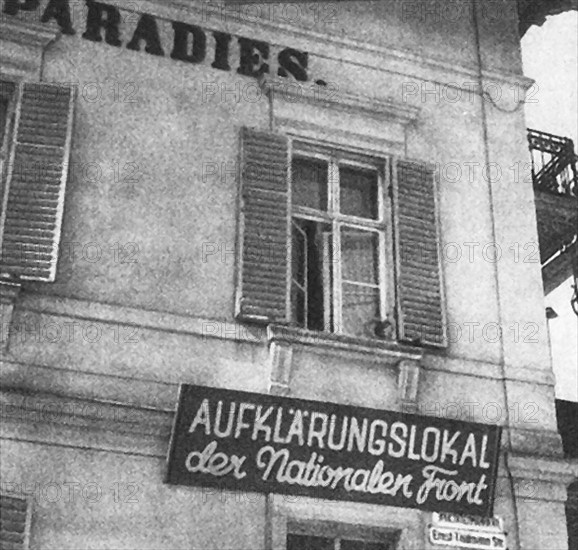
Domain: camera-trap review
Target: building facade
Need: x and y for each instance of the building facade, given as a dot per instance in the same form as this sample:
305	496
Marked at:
327	202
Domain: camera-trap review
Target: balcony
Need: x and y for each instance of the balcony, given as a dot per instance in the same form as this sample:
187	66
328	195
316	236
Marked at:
534	12
555	181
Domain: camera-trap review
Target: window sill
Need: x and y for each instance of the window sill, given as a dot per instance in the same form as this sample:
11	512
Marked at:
339	344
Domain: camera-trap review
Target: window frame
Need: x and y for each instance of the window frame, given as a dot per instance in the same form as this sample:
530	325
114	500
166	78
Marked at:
6	138
335	157
6	144
337	531
28	515
406	525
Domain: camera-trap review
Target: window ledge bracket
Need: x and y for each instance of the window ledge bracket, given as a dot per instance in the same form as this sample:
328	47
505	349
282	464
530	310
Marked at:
9	292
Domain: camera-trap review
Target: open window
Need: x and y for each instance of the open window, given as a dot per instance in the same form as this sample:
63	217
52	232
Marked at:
337	241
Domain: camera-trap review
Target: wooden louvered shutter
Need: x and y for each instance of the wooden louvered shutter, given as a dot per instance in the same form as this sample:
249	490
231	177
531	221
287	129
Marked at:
14	522
262	293
33	200
420	297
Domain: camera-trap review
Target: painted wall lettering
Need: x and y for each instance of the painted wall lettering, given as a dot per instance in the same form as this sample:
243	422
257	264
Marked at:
190	43
222	41
102	17
181	51
59	10
254	56
293	62
12	7
147	32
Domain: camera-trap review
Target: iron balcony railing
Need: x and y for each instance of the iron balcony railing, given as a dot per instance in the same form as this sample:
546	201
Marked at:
553	163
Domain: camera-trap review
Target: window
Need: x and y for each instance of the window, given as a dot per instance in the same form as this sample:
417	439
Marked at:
15	516
337	536
36	129
338	242
312	542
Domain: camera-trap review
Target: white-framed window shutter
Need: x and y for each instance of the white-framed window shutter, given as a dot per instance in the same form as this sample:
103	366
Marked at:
35	184
263	283
419	285
15	520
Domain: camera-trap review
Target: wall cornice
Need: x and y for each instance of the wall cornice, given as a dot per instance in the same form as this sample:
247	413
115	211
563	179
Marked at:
224	330
383	109
105	425
84	423
404	62
544	470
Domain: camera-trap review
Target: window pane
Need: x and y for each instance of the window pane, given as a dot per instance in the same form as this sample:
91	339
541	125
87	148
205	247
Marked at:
360	310
363	545
300	237
359	256
299	275
309	183
311	273
3	118
358	192
309	542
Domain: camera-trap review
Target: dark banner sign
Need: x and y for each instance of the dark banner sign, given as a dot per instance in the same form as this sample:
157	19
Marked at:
252	442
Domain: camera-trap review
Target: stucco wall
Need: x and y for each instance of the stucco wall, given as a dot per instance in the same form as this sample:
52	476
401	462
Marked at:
149	135
146	142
